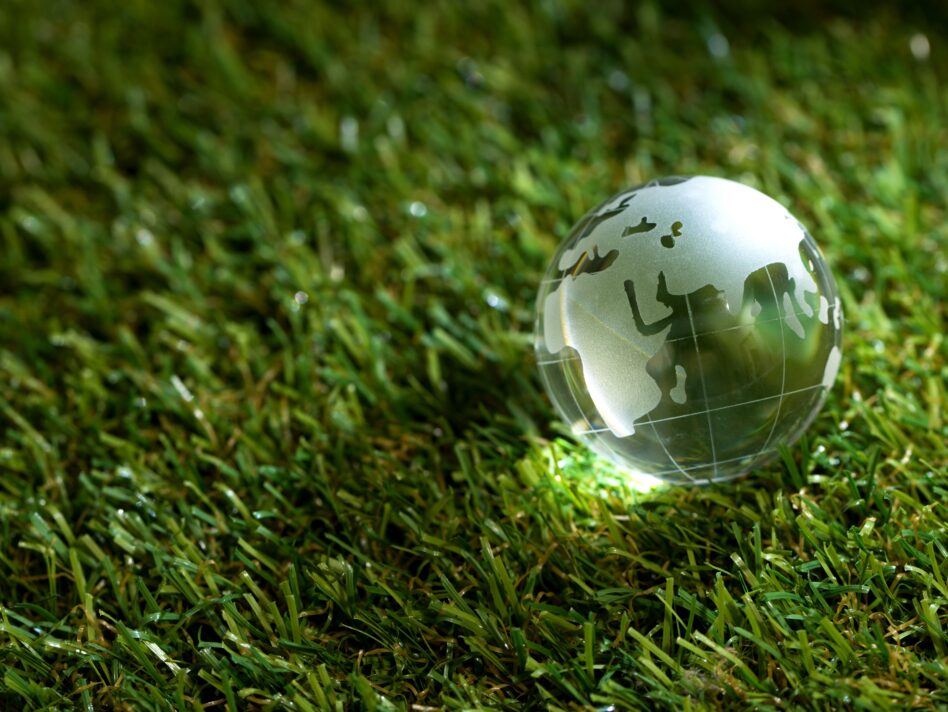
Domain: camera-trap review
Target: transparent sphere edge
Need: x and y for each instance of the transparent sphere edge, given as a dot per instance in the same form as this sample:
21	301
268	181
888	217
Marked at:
688	327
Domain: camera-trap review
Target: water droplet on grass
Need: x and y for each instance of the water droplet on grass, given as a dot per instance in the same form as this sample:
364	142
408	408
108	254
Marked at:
618	80
144	237
495	301
920	47
349	134
718	46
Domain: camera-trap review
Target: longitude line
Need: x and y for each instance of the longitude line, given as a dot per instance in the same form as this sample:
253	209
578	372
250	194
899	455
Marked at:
670	456
582	366
783	376
579	408
589	429
609	328
704	387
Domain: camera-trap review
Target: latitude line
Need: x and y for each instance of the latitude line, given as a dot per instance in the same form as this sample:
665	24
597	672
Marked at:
682	338
704	388
720	407
698	467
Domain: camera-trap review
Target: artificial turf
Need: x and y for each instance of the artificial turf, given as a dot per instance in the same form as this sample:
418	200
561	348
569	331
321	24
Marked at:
272	433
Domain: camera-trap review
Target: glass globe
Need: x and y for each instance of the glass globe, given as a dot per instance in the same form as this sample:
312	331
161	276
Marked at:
687	328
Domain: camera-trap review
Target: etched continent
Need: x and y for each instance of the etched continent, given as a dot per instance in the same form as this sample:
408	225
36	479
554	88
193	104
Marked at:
637	263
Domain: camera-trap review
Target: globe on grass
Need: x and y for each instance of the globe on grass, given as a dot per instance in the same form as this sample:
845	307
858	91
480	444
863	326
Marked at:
687	328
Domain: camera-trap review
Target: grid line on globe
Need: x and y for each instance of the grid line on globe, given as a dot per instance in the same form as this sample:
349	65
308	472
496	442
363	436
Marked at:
712	333
592	431
666	352
780	396
783	359
704	387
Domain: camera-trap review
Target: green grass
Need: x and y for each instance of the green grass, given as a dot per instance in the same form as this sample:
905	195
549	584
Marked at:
271	434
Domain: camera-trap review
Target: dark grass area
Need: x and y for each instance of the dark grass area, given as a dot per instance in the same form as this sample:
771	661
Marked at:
271	434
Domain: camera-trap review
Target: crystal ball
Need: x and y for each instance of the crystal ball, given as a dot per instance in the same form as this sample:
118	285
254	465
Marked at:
687	328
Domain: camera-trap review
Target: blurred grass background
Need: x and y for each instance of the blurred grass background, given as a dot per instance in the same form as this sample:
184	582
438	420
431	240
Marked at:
272	435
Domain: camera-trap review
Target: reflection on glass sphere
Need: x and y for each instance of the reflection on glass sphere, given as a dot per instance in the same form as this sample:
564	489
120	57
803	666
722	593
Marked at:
688	327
